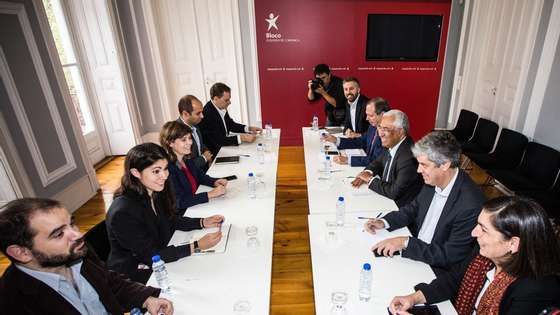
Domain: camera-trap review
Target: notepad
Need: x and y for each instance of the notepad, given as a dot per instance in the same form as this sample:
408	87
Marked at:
195	235
227	159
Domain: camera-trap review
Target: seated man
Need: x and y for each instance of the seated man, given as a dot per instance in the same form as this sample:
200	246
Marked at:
393	174
355	124
217	125
370	141
52	271
190	113
330	89
443	215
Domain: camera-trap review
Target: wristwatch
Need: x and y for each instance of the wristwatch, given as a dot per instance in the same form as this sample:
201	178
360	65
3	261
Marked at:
196	248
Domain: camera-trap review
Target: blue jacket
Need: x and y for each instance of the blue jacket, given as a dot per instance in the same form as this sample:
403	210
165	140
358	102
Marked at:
363	142
182	187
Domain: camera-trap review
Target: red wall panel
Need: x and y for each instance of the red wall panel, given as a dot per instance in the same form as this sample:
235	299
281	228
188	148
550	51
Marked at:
334	32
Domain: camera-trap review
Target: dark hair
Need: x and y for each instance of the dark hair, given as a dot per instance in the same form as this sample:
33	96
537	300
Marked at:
141	157
171	131
186	104
321	68
218	90
15	228
351	79
539	250
381	105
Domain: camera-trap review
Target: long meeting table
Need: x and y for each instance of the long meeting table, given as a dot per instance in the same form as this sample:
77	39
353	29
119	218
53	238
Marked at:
212	283
338	253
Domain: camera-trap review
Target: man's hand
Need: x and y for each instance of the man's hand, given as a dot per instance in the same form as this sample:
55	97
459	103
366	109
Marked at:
350	134
365	176
389	246
221	182
209	240
309	83
213	221
158	306
207	155
374	224
400	304
246	137
340	159
329	138
357	182
255	130
320	90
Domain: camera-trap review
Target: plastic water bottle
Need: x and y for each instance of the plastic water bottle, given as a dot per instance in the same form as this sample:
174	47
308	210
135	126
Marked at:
365	283
136	311
340	211
327	166
252	183
260	153
268	130
160	272
315	125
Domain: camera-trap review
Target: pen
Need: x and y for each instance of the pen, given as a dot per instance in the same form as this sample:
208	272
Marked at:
245	155
368	218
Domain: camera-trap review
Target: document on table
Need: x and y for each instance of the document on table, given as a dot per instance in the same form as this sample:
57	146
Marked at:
195	235
354	152
381	235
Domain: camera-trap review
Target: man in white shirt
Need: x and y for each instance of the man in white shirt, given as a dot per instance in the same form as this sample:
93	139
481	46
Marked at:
190	113
356	123
443	214
217	127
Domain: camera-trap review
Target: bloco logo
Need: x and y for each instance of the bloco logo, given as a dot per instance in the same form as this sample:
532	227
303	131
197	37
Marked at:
272	24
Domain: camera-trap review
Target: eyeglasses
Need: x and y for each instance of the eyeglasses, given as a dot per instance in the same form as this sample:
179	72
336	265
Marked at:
386	129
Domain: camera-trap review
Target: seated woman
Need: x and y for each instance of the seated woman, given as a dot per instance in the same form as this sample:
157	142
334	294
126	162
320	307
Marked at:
515	269
176	139
142	219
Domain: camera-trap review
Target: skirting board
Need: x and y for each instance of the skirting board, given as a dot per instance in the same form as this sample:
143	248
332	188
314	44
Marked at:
77	194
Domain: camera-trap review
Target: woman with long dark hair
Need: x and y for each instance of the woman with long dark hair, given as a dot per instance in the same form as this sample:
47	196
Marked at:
515	269
142	219
176	139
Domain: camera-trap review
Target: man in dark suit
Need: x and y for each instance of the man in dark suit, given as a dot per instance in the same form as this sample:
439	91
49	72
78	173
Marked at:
355	124
443	214
216	125
190	113
393	174
369	141
52	271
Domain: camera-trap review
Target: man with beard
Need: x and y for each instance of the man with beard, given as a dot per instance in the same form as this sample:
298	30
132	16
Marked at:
190	113
355	123
52	271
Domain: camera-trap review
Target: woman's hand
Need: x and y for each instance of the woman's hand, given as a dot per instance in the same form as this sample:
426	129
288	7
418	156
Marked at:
209	240
400	304
213	221
217	191
221	182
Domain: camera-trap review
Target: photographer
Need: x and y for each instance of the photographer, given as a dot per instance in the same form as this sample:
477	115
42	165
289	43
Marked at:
330	88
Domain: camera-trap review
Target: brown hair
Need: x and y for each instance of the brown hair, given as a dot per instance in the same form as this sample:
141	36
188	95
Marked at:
186	104
218	90
171	131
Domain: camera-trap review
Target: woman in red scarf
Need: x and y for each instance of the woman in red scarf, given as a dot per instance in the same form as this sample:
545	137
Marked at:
175	138
515	269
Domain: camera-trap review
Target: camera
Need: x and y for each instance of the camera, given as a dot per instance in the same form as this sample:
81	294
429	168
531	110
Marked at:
316	83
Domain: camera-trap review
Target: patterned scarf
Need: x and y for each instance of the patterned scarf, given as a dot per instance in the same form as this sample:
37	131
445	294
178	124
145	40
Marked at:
473	282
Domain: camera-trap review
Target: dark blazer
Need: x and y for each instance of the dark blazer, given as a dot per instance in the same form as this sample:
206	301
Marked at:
197	158
213	132
23	294
373	150
184	195
404	182
452	240
361	123
136	234
524	296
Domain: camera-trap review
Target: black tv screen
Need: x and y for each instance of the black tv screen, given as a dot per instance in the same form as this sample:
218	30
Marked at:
403	37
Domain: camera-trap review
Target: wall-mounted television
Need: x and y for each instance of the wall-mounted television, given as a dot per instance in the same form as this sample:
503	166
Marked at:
403	37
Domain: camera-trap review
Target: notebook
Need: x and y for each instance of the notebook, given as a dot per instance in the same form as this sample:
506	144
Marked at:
227	159
195	235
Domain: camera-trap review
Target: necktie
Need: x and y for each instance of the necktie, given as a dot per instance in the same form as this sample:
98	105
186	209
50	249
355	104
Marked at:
371	144
386	166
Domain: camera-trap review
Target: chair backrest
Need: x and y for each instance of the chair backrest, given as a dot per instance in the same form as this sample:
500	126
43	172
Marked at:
510	148
485	134
98	239
465	125
540	164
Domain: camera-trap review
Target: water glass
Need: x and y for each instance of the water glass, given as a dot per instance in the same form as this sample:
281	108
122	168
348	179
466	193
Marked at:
242	307
338	300
268	130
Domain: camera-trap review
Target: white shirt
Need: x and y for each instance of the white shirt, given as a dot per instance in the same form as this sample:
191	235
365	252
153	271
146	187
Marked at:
223	113
353	106
489	278
392	152
434	211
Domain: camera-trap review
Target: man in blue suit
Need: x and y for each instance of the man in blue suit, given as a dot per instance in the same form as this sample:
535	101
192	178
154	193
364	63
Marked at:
369	141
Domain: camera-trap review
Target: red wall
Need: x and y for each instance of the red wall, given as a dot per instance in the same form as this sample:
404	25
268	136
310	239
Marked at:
334	32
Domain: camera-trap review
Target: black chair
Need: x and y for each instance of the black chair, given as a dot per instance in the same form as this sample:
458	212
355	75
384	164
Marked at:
483	139
548	199
98	239
507	154
466	123
537	170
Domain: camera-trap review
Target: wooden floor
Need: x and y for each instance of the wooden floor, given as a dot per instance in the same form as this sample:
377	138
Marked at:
292	281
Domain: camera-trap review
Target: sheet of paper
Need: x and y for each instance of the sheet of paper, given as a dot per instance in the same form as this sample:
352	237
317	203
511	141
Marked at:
354	152
195	235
